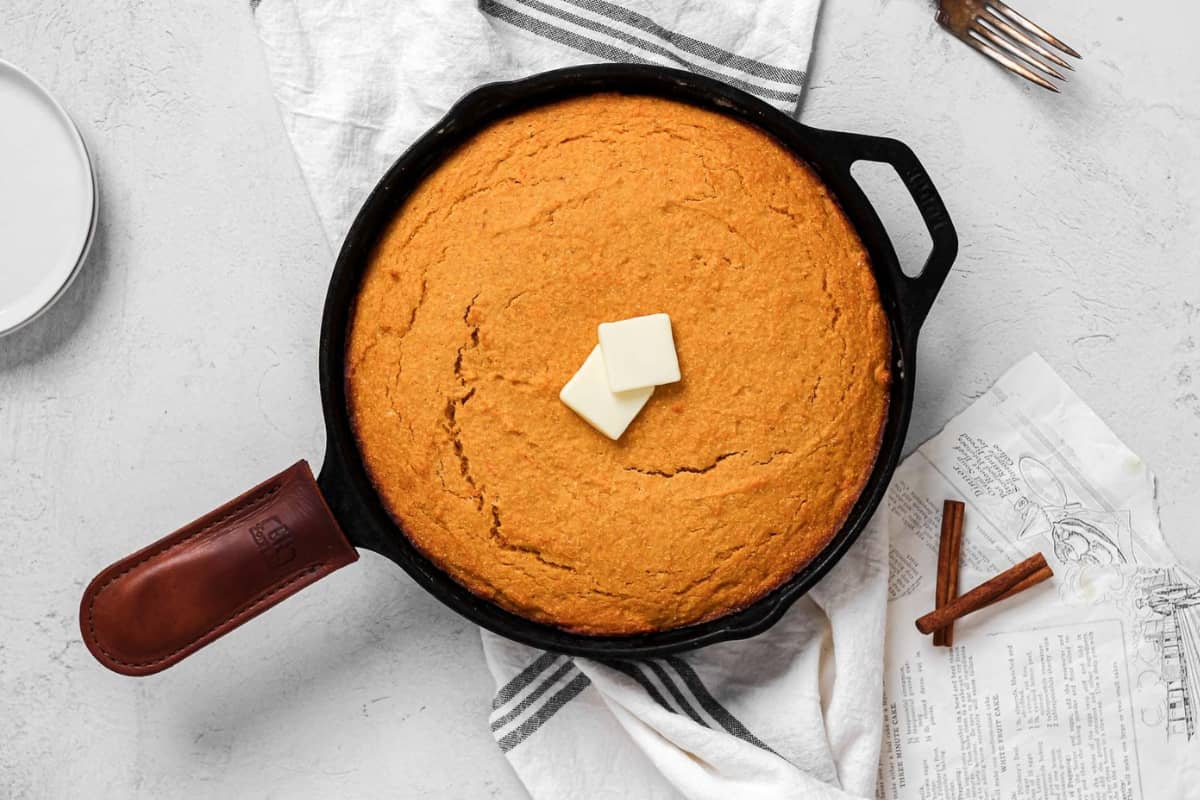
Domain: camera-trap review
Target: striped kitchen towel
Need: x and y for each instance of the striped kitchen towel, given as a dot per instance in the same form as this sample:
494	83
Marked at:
792	713
358	80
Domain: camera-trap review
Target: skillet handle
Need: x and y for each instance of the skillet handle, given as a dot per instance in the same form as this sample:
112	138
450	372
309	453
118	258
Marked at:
916	293
156	607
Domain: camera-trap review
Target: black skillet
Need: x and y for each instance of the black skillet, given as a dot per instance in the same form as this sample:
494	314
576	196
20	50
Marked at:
157	606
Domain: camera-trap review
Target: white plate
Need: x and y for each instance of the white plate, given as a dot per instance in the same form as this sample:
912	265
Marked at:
47	199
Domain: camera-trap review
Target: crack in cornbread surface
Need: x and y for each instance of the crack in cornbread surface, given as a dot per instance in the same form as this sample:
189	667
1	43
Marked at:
482	299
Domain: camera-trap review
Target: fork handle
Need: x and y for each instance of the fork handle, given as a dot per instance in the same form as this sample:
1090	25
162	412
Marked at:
918	292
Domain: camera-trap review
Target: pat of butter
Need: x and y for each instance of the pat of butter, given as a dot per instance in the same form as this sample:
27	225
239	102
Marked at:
588	395
639	352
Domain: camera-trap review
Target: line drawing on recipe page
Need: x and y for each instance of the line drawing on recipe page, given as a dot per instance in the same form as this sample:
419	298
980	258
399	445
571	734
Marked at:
1079	535
1167	605
1164	602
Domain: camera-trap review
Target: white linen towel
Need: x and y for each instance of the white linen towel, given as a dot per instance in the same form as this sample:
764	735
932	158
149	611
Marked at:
792	713
795	712
357	81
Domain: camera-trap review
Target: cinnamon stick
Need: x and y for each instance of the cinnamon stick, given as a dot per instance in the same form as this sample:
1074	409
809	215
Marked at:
983	595
949	549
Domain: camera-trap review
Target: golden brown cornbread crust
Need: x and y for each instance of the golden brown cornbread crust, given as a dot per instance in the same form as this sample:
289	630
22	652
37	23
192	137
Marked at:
483	297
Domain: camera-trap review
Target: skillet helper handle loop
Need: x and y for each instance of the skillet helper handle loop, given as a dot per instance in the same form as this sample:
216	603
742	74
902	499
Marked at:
156	607
919	291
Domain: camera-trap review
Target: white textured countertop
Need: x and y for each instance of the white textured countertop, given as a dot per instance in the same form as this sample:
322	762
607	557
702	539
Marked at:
180	369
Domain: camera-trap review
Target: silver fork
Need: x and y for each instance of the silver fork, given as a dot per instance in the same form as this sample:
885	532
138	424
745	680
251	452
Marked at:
1001	34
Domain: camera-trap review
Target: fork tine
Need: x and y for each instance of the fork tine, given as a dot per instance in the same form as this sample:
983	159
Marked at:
998	22
1016	52
1008	63
1002	8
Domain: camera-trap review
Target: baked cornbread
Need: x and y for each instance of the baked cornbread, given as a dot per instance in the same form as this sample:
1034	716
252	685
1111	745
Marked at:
483	297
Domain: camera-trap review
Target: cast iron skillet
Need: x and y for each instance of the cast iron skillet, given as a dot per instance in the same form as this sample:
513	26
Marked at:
157	606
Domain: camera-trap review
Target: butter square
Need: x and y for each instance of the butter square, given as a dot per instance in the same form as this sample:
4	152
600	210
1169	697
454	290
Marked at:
588	395
639	352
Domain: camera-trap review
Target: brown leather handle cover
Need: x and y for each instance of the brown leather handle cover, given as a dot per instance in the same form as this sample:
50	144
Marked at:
163	603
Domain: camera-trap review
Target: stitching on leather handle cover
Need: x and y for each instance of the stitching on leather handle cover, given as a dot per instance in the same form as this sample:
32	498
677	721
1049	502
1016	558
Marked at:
154	608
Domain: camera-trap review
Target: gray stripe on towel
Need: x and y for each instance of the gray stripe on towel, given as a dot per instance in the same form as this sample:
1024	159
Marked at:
609	52
676	693
533	696
686	43
717	711
525	677
633	671
548	710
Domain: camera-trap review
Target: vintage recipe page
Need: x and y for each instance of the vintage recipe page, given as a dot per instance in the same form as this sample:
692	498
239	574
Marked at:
1083	687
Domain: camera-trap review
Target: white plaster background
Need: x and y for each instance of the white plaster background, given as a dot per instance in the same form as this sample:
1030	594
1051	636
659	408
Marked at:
181	369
